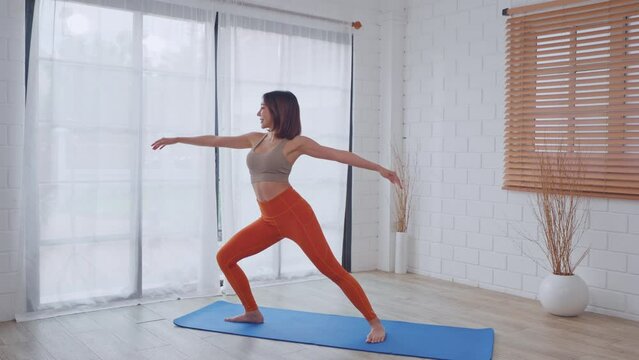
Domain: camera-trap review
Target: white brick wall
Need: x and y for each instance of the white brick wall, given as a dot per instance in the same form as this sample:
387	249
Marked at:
461	102
11	122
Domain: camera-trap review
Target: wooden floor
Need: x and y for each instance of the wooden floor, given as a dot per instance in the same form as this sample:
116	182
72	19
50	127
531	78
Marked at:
522	329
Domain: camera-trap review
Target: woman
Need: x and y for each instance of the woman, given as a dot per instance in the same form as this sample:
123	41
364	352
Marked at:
284	213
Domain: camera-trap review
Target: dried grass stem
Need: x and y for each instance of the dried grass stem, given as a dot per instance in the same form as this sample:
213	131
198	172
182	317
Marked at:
403	196
557	210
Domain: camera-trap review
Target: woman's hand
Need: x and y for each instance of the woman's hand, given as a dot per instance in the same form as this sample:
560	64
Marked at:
159	144
391	176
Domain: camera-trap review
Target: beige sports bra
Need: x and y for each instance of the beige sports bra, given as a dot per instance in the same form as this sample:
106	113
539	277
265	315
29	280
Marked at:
269	166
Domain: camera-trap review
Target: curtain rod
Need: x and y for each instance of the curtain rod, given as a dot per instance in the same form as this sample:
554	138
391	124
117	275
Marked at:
355	24
528	8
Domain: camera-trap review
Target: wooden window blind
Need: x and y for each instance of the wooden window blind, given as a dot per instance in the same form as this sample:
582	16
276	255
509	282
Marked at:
572	89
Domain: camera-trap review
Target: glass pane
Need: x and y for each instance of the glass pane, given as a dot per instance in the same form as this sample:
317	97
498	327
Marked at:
84	271
89	95
85	155
89	34
174	45
178	224
84	212
185	104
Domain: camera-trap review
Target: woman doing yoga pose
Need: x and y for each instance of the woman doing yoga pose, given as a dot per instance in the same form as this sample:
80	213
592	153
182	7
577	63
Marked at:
284	213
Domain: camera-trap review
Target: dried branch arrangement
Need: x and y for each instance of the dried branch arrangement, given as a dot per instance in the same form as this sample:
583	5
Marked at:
557	209
403	196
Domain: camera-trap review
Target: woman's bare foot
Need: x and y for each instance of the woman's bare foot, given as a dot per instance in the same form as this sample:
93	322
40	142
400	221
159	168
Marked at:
254	317
377	334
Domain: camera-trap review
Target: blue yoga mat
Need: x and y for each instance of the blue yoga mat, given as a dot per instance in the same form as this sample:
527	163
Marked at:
347	332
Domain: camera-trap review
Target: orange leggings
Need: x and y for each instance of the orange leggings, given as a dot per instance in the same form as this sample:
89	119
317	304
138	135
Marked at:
287	215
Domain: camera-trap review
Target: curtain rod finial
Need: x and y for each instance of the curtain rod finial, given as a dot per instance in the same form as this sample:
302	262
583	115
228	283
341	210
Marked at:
504	12
356	25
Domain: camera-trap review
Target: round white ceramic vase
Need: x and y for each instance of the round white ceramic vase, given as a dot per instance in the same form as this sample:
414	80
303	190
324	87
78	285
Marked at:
563	295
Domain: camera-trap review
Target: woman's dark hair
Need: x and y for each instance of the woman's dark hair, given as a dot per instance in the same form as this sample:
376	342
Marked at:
286	113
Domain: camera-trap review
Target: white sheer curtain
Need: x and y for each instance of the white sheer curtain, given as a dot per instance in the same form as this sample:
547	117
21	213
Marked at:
258	55
106	217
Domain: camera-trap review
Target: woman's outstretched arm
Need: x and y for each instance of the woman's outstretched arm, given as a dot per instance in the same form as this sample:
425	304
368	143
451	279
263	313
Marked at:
311	148
235	142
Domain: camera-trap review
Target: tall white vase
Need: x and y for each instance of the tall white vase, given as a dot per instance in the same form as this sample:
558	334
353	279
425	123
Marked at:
401	252
563	295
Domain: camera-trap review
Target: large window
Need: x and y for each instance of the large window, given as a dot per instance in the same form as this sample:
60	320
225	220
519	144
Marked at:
107	217
573	88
